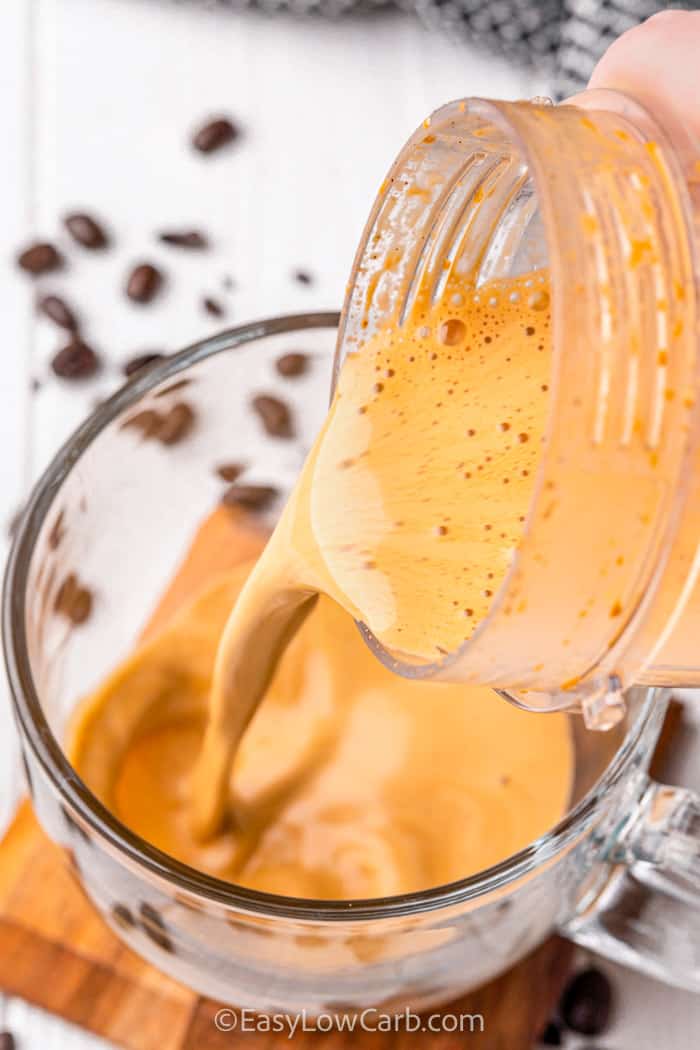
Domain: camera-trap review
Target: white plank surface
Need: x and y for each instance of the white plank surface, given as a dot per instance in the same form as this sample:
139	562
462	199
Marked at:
97	98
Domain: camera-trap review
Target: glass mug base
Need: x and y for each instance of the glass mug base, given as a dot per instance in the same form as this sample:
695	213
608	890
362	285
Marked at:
266	952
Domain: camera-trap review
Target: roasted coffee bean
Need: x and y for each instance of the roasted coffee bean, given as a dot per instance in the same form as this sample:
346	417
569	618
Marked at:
122	916
144	283
40	257
229	471
250	497
7	1041
303	277
135	364
86	230
215	134
275	415
290	365
213	307
58	311
586	1004
154	927
552	1035
77	360
147	421
176	424
73	600
184	239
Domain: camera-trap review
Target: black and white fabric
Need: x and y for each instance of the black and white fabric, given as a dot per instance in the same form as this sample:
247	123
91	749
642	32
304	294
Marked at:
565	36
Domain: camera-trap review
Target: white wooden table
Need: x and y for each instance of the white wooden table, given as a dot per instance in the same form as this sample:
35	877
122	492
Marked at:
97	98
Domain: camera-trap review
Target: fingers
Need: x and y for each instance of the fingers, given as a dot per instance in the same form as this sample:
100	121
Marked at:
658	64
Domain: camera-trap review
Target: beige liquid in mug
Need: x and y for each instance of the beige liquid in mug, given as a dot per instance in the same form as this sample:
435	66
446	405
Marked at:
253	735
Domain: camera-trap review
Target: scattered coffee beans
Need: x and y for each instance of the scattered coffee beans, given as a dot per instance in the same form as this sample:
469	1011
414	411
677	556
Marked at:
184	239
229	471
122	916
77	360
146	421
86	231
274	415
250	497
40	257
290	365
144	283
213	307
153	926
169	427
58	311
586	1004
135	364
73	600
176	424
216	133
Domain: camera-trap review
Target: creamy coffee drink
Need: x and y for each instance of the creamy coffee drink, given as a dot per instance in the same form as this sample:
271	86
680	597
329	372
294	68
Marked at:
350	782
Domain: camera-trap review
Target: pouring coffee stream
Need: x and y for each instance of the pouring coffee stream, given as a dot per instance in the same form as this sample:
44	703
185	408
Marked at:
379	531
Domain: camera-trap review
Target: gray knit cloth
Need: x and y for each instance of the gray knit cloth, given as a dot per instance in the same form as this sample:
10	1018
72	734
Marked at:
566	37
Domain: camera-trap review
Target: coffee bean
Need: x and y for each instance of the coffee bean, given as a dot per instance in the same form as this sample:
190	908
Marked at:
290	365
215	134
552	1035
153	926
275	415
77	360
144	283
213	307
7	1041
58	311
135	364
586	1004
147	421
40	257
229	471
250	497
86	230
73	600
122	916
176	425
184	239
303	277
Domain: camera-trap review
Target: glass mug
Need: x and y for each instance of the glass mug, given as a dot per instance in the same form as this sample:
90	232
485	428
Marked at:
601	198
620	873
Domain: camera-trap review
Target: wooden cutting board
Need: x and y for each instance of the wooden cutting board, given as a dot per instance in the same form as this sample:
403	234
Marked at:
56	952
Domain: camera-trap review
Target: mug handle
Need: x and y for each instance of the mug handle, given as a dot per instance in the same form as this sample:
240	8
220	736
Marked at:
647	914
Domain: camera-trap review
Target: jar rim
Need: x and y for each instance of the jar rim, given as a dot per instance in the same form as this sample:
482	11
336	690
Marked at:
125	844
